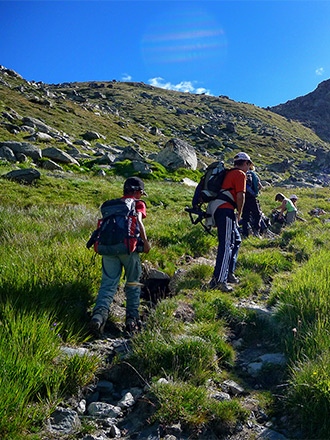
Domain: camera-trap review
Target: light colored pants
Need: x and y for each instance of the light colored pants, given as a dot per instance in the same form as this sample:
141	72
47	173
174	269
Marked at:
112	267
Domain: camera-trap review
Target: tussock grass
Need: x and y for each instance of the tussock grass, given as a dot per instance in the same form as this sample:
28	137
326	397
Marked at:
194	408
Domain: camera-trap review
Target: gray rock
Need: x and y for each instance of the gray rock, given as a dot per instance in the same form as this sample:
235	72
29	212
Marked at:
127	401
141	167
7	154
254	368
51	166
41	137
70	352
221	396
101	409
233	387
28	175
273	358
177	154
21	157
105	159
41	126
105	386
58	155
269	434
91	136
130	153
63	421
114	432
23	147
128	139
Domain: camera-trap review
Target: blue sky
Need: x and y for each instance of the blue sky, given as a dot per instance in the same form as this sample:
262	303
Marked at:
261	52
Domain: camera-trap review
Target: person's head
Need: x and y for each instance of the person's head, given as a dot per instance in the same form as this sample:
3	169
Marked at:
134	186
293	198
279	197
242	161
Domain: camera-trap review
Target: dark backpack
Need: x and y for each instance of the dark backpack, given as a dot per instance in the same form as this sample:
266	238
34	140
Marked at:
117	228
209	189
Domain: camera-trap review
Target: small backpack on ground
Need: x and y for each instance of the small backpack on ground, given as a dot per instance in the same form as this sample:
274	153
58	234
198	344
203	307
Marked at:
118	230
208	190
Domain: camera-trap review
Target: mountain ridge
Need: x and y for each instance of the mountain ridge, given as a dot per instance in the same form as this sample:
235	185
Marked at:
147	117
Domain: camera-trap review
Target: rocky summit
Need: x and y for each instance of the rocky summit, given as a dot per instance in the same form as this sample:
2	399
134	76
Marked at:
312	110
96	124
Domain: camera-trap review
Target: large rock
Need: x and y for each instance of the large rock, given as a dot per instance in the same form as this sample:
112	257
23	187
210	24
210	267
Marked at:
130	153
58	155
177	154
51	166
23	147
7	154
28	175
36	123
63	421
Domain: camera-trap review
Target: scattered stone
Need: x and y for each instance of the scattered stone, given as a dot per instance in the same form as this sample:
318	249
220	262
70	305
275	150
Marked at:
114	432
101	409
221	396
57	155
28	175
7	154
189	182
23	147
36	123
63	421
233	387
127	401
70	352
40	137
91	136
51	166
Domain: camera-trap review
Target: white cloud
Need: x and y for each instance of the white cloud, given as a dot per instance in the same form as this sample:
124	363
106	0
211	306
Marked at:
126	77
183	86
319	71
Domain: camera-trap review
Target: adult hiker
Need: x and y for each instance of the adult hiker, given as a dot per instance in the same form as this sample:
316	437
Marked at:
112	266
286	206
251	214
226	223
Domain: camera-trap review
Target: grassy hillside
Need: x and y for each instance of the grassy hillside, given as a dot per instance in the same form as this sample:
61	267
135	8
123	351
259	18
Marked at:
116	109
49	282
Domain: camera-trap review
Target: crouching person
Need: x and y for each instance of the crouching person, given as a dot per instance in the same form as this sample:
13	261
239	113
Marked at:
116	256
286	206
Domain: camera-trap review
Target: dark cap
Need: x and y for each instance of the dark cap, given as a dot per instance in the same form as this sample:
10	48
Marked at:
134	184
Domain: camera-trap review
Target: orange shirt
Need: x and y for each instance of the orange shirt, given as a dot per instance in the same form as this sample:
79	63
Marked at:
235	181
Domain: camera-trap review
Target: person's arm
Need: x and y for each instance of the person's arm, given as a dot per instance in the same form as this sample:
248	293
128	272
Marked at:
240	204
146	244
282	208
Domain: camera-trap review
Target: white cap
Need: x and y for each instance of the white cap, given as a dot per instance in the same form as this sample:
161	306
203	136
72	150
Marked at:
293	196
242	156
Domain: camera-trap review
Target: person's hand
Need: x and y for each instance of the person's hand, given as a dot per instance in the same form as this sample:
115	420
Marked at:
146	246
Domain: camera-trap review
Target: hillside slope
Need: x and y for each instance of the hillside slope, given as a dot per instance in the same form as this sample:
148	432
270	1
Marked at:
312	110
146	117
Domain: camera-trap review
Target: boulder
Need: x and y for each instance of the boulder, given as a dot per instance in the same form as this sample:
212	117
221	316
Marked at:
58	155
105	159
41	137
28	175
51	166
141	167
177	154
91	136
130	153
7	154
26	148
36	123
63	421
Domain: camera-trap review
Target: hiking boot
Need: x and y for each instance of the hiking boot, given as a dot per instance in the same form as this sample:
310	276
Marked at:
220	286
133	325
232	279
98	322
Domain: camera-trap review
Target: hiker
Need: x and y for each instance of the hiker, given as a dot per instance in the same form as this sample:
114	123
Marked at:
286	206
294	199
112	269
251	213
226	223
